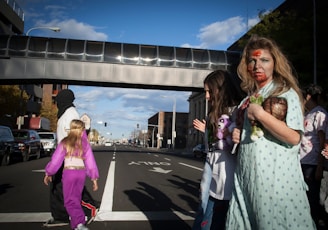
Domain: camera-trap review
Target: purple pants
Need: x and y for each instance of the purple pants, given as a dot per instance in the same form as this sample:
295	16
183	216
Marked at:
73	182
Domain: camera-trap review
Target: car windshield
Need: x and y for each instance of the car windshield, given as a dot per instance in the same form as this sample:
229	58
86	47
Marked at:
46	136
20	135
4	133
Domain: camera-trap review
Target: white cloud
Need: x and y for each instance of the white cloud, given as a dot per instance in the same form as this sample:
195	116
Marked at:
252	22
75	30
221	32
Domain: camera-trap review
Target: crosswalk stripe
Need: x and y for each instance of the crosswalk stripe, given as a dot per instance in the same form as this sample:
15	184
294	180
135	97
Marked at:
101	216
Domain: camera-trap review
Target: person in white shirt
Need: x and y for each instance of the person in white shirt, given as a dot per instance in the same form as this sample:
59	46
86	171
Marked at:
313	141
66	113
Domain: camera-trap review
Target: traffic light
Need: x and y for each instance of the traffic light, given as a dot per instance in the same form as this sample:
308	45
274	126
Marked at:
105	124
137	126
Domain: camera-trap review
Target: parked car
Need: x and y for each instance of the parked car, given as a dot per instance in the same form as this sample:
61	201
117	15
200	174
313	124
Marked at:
27	144
48	142
6	145
199	151
108	143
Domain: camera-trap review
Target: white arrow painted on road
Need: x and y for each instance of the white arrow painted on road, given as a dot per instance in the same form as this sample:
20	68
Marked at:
159	170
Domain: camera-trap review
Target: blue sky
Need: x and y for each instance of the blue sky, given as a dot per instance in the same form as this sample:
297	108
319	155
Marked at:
208	24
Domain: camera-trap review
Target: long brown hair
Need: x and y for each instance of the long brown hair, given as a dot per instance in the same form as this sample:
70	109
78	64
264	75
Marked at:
224	94
73	141
283	74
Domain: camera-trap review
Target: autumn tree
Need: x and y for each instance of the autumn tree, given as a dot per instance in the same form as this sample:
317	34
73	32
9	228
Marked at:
293	31
12	103
49	111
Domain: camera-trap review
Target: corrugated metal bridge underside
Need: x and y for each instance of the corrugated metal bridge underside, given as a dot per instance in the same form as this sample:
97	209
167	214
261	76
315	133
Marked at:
40	60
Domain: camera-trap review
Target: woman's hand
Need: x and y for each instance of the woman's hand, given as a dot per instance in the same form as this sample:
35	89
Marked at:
324	152
47	179
276	127
199	125
253	111
95	185
235	135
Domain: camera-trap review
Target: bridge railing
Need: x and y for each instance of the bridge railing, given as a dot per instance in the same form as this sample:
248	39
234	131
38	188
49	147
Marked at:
113	52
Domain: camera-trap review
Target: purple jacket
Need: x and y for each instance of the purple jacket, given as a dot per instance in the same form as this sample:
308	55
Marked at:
58	157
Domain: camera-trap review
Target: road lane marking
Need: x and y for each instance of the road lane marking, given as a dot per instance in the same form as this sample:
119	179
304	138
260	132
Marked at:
105	212
146	216
159	170
190	166
107	198
104	216
39	170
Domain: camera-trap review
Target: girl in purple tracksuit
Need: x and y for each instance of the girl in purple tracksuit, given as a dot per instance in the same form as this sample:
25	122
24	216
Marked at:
78	163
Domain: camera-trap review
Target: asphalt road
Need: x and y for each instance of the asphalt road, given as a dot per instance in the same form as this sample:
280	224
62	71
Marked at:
138	189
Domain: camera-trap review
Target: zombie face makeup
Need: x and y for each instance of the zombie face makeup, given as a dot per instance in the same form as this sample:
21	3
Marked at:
260	66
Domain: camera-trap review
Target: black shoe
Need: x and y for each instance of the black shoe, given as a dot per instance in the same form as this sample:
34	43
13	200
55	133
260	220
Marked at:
54	223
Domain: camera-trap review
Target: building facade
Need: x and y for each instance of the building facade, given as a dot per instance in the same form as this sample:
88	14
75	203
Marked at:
197	108
160	130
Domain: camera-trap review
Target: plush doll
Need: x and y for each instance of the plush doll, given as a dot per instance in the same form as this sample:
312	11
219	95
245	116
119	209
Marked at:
276	106
257	132
223	123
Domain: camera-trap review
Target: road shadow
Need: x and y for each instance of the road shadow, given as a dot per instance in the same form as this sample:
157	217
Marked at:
4	188
145	194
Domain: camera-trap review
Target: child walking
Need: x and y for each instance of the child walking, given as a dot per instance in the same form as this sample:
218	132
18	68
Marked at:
78	163
217	179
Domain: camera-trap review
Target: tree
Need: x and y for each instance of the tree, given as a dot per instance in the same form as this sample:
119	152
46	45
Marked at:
49	111
293	32
12	103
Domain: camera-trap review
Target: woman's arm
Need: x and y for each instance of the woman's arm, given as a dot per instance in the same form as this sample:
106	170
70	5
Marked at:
277	128
56	161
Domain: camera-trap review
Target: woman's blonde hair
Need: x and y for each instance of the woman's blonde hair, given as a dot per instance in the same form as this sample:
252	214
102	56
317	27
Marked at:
73	141
283	74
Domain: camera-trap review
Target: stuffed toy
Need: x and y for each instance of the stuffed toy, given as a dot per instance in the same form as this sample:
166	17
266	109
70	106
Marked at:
276	106
223	124
257	132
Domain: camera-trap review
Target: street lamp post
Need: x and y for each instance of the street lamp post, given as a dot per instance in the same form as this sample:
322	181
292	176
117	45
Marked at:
173	123
55	29
173	120
153	134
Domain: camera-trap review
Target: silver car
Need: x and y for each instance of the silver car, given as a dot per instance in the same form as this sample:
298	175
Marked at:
48	142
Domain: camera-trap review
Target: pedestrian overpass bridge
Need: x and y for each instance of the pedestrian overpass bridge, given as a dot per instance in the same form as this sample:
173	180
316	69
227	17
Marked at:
43	60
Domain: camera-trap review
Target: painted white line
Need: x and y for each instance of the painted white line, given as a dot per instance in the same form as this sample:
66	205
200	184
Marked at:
105	212
104	216
39	170
190	166
107	199
24	217
143	216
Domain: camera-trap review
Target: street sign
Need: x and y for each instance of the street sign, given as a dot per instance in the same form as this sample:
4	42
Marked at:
87	121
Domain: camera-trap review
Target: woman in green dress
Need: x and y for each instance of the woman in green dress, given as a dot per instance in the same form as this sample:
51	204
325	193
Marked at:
269	189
